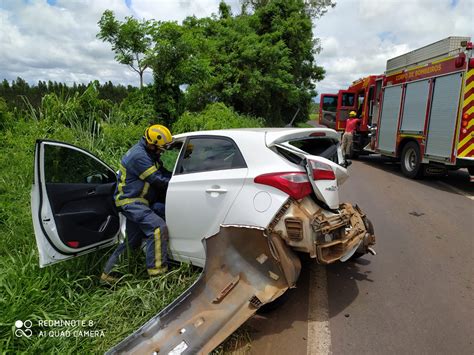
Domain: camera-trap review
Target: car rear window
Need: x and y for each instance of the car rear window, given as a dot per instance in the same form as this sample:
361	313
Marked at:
323	147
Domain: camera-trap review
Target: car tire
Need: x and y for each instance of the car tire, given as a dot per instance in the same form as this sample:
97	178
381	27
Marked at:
356	256
410	161
370	228
270	307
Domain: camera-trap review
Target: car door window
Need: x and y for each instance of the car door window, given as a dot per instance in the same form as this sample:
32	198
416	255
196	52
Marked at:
65	165
210	153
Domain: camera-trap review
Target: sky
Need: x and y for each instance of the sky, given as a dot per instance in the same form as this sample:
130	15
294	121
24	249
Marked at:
56	39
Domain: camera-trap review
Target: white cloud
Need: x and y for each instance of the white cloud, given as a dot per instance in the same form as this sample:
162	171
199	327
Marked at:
39	41
358	37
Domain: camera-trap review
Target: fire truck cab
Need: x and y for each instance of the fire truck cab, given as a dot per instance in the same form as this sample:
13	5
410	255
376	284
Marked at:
420	112
363	97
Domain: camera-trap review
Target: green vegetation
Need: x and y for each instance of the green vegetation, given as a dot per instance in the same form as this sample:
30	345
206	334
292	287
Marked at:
253	69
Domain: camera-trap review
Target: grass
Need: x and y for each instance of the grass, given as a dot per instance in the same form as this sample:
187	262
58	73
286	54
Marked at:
314	116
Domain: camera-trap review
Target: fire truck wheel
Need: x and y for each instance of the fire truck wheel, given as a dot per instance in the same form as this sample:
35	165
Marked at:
411	161
471	170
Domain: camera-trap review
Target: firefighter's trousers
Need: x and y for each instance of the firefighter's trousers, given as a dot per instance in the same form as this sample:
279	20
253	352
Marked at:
147	223
346	144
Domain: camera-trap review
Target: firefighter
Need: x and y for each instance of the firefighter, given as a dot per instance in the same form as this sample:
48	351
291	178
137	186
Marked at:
351	126
142	179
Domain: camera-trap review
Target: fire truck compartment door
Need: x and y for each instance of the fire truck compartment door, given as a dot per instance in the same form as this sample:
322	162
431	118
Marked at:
414	108
444	109
389	119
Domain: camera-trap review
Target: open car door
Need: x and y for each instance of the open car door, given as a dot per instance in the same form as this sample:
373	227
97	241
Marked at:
346	103
327	110
71	202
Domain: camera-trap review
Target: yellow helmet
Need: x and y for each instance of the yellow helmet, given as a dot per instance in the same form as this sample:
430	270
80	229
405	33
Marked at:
158	135
352	114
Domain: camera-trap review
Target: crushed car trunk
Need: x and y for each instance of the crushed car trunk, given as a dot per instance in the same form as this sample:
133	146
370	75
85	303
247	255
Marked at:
245	268
327	236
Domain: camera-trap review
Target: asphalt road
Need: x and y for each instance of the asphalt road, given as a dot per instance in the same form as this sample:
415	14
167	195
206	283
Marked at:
416	296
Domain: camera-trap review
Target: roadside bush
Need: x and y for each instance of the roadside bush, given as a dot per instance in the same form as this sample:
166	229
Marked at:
5	116
136	108
214	116
69	109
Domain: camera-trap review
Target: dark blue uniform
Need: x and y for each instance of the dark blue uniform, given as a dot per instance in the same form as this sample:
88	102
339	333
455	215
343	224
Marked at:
142	180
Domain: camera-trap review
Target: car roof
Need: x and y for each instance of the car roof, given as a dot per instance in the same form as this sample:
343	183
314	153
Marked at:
273	134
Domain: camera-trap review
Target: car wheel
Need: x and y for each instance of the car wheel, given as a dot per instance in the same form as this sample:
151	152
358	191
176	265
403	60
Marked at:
270	307
411	161
357	256
370	228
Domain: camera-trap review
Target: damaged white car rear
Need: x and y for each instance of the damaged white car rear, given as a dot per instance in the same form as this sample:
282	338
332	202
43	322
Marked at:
240	203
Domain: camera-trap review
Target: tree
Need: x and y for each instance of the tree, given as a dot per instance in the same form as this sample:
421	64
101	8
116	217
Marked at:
176	65
262	63
130	40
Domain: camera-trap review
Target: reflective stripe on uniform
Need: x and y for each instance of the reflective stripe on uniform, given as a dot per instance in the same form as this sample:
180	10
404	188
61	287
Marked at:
148	172
158	248
146	186
126	201
123	178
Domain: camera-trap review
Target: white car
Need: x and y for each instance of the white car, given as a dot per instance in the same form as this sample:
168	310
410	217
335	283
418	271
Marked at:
231	177
239	203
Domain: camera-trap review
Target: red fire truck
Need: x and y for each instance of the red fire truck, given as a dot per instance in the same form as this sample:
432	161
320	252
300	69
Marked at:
421	111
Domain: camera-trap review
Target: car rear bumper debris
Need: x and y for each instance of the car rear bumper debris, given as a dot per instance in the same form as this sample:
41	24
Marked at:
245	268
327	236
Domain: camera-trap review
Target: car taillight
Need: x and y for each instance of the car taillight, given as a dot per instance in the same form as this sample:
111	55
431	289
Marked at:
295	184
322	171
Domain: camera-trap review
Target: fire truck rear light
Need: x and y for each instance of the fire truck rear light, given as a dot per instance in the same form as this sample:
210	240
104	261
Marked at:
469	45
464	123
295	184
322	171
464	131
465	116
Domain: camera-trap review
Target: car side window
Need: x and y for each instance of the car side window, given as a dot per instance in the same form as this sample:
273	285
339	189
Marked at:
66	165
210	153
